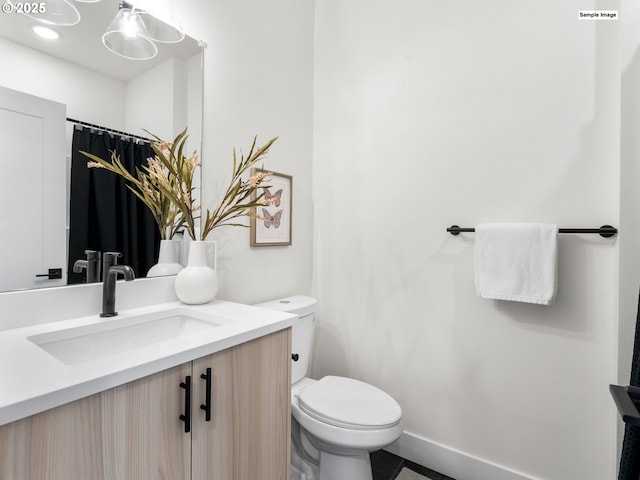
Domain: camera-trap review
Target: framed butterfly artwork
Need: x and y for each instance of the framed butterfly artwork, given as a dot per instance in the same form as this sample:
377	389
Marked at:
271	224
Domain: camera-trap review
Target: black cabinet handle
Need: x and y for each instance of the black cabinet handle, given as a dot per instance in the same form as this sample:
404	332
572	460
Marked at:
53	274
206	406
186	418
295	357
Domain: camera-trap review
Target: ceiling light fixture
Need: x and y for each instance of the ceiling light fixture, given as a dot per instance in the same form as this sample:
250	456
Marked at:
127	35
160	20
161	31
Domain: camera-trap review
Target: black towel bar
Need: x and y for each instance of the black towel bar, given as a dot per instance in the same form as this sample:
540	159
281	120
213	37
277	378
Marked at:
605	231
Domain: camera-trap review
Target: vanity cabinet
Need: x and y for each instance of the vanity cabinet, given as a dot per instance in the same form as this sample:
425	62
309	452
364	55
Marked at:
137	430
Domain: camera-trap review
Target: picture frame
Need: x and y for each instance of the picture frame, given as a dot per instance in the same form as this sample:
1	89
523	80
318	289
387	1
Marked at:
272	225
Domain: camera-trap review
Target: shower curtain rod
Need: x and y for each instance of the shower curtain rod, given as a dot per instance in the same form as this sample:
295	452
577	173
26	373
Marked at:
109	130
605	231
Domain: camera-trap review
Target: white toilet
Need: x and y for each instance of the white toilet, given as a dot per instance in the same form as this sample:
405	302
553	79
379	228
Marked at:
336	421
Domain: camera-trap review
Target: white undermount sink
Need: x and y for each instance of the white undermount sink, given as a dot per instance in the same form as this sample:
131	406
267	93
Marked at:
90	342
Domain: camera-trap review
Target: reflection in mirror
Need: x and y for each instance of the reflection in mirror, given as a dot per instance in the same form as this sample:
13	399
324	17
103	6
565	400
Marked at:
76	77
98	198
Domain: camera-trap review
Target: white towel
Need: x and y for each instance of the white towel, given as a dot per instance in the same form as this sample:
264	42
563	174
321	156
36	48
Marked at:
516	261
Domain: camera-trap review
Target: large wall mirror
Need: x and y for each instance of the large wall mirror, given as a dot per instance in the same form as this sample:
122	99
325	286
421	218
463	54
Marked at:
94	87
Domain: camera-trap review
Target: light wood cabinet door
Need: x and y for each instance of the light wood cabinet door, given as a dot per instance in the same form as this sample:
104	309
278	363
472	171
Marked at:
248	436
128	432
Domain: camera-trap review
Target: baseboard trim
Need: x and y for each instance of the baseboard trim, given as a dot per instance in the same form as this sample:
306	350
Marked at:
448	461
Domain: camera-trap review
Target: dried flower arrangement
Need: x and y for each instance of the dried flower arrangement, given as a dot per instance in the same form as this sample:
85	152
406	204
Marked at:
165	186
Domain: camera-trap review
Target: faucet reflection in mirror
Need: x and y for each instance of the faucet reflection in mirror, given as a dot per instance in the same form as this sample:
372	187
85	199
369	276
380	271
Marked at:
165	186
92	265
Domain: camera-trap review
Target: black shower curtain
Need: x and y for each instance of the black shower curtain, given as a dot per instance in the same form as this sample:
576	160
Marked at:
104	214
630	459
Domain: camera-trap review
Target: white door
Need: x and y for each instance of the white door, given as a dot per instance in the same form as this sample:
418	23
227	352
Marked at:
33	195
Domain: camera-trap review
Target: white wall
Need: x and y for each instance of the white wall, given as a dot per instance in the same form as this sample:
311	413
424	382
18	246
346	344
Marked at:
194	99
149	99
158	100
89	96
258	81
98	99
428	114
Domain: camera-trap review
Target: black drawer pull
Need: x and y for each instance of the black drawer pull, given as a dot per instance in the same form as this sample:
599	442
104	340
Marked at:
206	406
186	418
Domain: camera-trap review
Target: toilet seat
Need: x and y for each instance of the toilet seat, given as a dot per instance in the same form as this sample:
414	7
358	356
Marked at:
348	403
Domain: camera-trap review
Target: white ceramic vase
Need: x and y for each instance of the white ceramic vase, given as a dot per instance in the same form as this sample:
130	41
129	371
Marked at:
197	283
168	259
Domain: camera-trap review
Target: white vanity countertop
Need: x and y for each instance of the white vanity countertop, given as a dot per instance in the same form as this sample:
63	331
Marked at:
32	380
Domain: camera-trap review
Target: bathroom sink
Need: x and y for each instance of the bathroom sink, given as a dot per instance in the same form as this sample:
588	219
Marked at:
90	342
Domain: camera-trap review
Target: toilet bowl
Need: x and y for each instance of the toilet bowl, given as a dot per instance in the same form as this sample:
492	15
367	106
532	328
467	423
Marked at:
336	420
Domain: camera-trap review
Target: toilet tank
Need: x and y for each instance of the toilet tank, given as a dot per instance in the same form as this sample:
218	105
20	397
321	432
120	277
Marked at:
301	332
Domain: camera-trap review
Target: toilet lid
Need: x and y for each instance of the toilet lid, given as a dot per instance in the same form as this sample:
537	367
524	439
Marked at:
348	403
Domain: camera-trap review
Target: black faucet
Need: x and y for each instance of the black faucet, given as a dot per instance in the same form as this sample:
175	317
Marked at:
92	265
110	271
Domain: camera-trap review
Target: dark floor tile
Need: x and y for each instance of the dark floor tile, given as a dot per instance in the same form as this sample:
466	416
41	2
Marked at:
385	465
427	472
